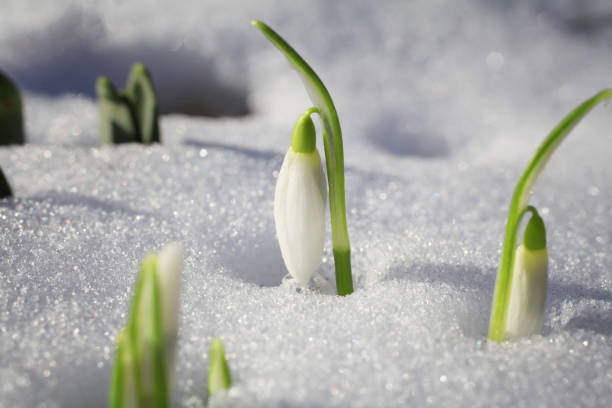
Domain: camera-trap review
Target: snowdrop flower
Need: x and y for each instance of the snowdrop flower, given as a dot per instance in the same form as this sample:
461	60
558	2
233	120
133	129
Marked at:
299	203
144	364
529	282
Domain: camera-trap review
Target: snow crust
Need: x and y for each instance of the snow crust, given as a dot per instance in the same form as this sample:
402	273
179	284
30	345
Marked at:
441	105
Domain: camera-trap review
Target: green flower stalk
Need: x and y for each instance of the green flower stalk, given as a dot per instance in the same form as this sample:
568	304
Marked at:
334	159
11	113
518	207
129	116
146	348
529	281
218	373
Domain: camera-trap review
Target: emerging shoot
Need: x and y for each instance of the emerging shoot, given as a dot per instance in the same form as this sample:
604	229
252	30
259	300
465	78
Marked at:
529	282
504	285
218	372
129	116
334	161
146	348
11	113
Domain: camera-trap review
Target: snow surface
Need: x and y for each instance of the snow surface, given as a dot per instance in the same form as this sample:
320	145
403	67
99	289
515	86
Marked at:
441	103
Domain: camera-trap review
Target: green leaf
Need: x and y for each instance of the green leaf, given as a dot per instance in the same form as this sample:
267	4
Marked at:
117	117
334	157
141	93
5	187
218	373
11	113
146	335
122	382
503	286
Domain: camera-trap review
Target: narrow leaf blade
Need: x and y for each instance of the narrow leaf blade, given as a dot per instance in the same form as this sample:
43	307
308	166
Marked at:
11	112
141	92
117	118
218	373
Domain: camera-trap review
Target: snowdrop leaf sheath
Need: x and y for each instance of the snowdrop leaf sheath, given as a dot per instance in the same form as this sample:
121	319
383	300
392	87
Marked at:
529	282
299	204
117	117
334	156
144	364
129	116
504	283
218	372
11	113
141	93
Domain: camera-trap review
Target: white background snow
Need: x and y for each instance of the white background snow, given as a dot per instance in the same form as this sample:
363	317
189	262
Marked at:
441	103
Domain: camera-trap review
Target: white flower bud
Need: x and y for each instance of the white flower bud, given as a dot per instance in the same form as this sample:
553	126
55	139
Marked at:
529	283
299	213
299	204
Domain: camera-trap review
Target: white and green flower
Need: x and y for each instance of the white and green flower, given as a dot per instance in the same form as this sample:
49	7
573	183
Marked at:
299	203
529	282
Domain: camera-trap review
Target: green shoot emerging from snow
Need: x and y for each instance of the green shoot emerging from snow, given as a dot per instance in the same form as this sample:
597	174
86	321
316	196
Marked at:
11	113
218	373
518	206
334	157
129	116
144	363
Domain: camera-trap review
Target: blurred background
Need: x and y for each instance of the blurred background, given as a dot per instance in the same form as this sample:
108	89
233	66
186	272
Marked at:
421	79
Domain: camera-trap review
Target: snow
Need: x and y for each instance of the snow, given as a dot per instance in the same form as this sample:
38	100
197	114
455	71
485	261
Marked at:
441	106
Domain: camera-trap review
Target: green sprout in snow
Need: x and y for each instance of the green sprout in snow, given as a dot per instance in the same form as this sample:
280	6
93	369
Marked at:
218	372
130	115
11	113
146	348
529	260
300	190
5	187
529	281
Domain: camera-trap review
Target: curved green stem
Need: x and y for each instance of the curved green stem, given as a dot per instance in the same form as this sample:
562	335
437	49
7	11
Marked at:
334	157
503	286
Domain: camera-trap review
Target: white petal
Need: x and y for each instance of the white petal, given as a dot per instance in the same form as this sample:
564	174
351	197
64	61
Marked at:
299	213
170	266
528	295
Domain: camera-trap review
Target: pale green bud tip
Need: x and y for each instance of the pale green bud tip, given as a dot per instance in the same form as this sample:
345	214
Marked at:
140	70
105	88
304	137
218	374
535	233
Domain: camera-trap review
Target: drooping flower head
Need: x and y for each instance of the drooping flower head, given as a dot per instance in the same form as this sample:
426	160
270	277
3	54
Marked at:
299	203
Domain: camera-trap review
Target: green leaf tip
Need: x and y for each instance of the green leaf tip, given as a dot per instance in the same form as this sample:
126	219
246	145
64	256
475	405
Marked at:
11	112
218	373
304	139
334	155
132	115
518	207
535	233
